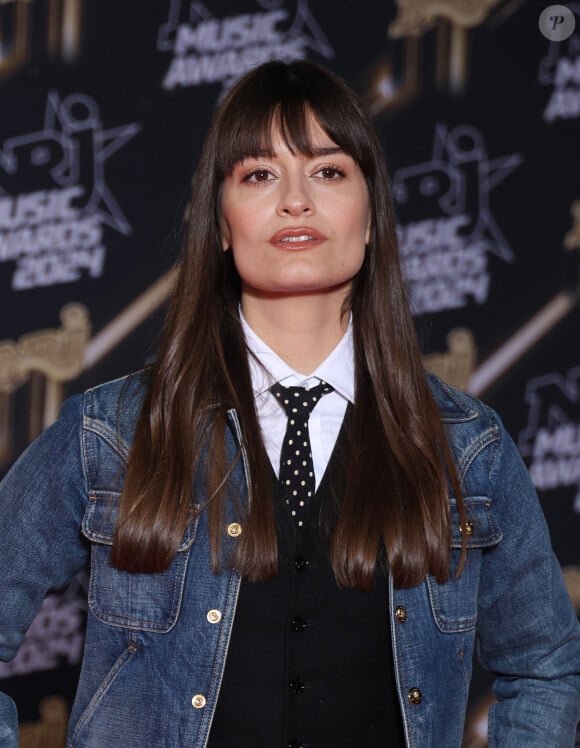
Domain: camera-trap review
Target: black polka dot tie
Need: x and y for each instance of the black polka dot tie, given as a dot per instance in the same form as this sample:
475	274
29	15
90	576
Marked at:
296	468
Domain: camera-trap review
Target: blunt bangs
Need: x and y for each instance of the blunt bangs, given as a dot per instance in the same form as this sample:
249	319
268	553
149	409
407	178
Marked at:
285	97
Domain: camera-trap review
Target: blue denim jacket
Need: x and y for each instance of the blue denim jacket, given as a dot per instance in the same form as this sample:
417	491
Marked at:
156	643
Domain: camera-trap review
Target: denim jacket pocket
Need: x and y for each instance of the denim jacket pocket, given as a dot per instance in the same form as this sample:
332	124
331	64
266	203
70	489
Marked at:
146	602
454	604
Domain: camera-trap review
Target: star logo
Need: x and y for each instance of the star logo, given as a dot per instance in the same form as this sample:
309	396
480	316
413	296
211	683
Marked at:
71	149
458	181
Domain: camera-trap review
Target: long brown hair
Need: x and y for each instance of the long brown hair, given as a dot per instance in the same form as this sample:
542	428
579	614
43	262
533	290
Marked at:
398	464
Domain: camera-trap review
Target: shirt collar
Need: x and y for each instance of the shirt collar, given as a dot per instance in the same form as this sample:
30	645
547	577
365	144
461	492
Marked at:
267	368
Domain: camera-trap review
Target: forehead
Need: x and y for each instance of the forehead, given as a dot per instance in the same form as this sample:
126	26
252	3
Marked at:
298	132
315	135
319	143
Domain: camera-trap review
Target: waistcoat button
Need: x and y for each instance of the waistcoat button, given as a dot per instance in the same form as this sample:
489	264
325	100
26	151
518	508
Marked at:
415	696
296	685
301	563
401	614
234	529
214	616
296	744
298	623
198	701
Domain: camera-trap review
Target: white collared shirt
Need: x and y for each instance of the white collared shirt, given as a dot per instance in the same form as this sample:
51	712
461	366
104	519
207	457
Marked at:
337	369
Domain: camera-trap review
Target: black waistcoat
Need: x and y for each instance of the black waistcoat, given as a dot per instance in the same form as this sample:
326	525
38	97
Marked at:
309	663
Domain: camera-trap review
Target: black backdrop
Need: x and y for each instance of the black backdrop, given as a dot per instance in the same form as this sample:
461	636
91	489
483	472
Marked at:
103	107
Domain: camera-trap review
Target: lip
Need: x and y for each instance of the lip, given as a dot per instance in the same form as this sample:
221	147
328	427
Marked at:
300	237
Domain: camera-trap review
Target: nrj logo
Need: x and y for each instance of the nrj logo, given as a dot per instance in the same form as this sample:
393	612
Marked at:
560	71
53	229
207	49
551	440
445	254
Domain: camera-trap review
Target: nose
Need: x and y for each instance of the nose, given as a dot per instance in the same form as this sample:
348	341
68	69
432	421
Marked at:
295	198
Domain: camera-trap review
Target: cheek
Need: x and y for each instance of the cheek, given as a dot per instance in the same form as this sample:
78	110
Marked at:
247	259
358	215
236	226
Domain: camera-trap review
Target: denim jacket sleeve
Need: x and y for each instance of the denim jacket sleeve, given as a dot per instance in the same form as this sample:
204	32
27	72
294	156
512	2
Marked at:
528	633
42	502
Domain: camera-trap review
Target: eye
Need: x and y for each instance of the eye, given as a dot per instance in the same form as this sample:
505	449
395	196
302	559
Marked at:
329	173
258	175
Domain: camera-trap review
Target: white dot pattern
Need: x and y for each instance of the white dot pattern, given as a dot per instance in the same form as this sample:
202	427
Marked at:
296	468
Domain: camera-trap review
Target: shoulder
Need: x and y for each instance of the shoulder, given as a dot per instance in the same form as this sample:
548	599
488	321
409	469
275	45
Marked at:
111	410
459	408
472	427
128	392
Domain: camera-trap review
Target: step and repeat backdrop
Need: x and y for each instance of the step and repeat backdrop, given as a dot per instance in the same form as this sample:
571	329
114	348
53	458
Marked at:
103	107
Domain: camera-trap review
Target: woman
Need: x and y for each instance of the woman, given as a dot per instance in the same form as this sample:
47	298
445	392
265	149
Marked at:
241	593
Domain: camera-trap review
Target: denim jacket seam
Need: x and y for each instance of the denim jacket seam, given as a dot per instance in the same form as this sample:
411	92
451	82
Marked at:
466	679
93	704
494	467
479	443
82	449
109	435
470	413
459	625
88	461
132	624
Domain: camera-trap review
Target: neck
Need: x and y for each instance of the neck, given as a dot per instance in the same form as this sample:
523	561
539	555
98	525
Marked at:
302	330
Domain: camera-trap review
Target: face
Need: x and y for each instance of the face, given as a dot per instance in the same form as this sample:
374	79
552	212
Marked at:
296	224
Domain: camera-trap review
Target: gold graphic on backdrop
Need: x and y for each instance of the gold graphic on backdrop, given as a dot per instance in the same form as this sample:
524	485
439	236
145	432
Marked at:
43	359
572	238
456	365
542	322
414	17
50	730
14	35
27	30
452	20
61	355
